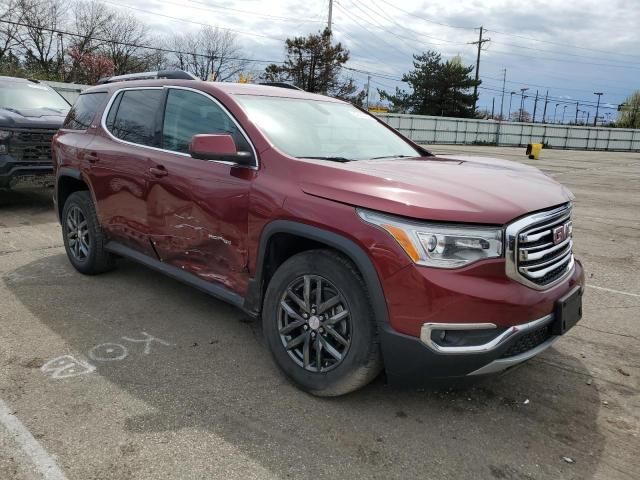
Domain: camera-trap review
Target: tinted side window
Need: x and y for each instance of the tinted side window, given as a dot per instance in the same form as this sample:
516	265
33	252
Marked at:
83	111
188	114
135	118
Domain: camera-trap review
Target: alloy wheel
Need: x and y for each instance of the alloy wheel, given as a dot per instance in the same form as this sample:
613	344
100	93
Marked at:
78	233
314	323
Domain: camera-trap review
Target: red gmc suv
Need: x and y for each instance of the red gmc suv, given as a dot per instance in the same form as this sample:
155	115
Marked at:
359	249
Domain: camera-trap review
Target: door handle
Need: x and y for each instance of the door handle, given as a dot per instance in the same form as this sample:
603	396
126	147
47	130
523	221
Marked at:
91	157
159	171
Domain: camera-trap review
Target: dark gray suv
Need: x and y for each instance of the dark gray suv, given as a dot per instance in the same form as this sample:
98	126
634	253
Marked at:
30	114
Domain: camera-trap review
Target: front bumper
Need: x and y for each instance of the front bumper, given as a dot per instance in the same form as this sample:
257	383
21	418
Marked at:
12	171
410	361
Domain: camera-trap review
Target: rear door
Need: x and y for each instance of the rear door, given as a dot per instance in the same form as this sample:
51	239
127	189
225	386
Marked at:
120	157
72	141
198	209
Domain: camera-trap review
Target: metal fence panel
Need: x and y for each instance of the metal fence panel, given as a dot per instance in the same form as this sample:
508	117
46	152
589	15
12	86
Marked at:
427	129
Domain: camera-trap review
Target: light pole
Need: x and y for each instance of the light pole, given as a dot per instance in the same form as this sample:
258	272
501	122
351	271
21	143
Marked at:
554	112
564	110
522	97
510	98
595	118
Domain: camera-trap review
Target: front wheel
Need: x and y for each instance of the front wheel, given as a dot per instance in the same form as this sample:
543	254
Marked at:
319	324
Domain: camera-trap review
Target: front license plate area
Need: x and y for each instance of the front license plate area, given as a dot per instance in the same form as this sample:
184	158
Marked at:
568	311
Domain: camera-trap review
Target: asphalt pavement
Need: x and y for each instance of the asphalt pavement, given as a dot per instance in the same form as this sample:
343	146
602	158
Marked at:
132	375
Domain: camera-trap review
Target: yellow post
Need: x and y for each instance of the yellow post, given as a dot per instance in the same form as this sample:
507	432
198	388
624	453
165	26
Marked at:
533	150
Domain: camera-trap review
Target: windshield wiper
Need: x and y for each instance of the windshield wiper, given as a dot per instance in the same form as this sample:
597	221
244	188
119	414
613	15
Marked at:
393	156
331	159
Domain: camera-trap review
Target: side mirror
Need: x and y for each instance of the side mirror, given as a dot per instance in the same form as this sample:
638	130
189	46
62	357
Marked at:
218	147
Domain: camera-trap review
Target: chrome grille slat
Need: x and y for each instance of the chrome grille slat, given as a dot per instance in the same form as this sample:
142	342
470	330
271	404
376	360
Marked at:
532	256
556	261
534	237
538	254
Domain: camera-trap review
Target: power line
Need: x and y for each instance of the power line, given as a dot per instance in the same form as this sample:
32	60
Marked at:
562	44
359	5
564	60
426	19
210	6
130	44
240	32
346	12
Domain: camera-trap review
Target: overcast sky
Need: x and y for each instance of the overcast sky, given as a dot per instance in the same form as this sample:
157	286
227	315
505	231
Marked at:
571	47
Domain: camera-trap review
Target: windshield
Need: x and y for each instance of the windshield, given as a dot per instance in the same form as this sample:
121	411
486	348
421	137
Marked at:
318	129
23	96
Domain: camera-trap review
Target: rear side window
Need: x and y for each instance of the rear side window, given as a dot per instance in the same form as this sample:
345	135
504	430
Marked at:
188	113
132	116
84	110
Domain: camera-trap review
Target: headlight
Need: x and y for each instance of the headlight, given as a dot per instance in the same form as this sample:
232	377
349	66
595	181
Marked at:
437	244
4	134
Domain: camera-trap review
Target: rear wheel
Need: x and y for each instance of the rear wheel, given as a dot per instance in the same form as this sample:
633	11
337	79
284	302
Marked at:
83	237
319	325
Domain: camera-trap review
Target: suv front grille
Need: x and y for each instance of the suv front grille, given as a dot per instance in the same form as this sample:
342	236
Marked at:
540	248
32	144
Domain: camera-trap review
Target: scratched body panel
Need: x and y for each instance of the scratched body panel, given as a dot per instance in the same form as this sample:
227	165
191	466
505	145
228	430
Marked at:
198	218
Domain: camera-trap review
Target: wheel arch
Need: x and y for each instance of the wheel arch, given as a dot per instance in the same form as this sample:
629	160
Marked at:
69	180
312	237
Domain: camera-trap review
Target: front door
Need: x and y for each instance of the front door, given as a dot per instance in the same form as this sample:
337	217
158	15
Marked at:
198	209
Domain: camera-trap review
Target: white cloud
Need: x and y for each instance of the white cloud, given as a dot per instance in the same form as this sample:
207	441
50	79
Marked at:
561	45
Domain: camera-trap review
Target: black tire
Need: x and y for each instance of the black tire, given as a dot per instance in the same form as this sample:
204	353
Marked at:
361	361
96	259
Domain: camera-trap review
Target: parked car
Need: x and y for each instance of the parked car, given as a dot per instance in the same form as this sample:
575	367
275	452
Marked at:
30	114
359	249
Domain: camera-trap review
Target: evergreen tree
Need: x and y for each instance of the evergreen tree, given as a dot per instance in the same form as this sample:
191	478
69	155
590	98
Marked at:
437	88
314	64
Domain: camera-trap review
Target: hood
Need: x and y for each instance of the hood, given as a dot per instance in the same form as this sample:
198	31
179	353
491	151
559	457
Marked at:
446	188
32	118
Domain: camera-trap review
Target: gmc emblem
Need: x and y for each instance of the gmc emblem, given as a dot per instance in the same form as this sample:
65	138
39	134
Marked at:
561	233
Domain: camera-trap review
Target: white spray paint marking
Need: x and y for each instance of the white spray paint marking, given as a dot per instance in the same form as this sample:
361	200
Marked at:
29	445
147	341
620	292
108	352
67	366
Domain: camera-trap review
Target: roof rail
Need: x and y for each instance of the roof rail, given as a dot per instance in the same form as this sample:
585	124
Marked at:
281	85
174	74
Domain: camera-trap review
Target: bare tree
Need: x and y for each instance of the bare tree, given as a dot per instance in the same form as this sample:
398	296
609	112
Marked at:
91	23
222	53
126	35
8	31
208	53
38	38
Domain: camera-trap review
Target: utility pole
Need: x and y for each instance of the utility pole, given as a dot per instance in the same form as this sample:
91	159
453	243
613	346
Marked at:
577	110
555	110
595	119
522	97
510	99
564	110
368	81
544	112
480	42
535	107
493	107
330	17
504	80
587	122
